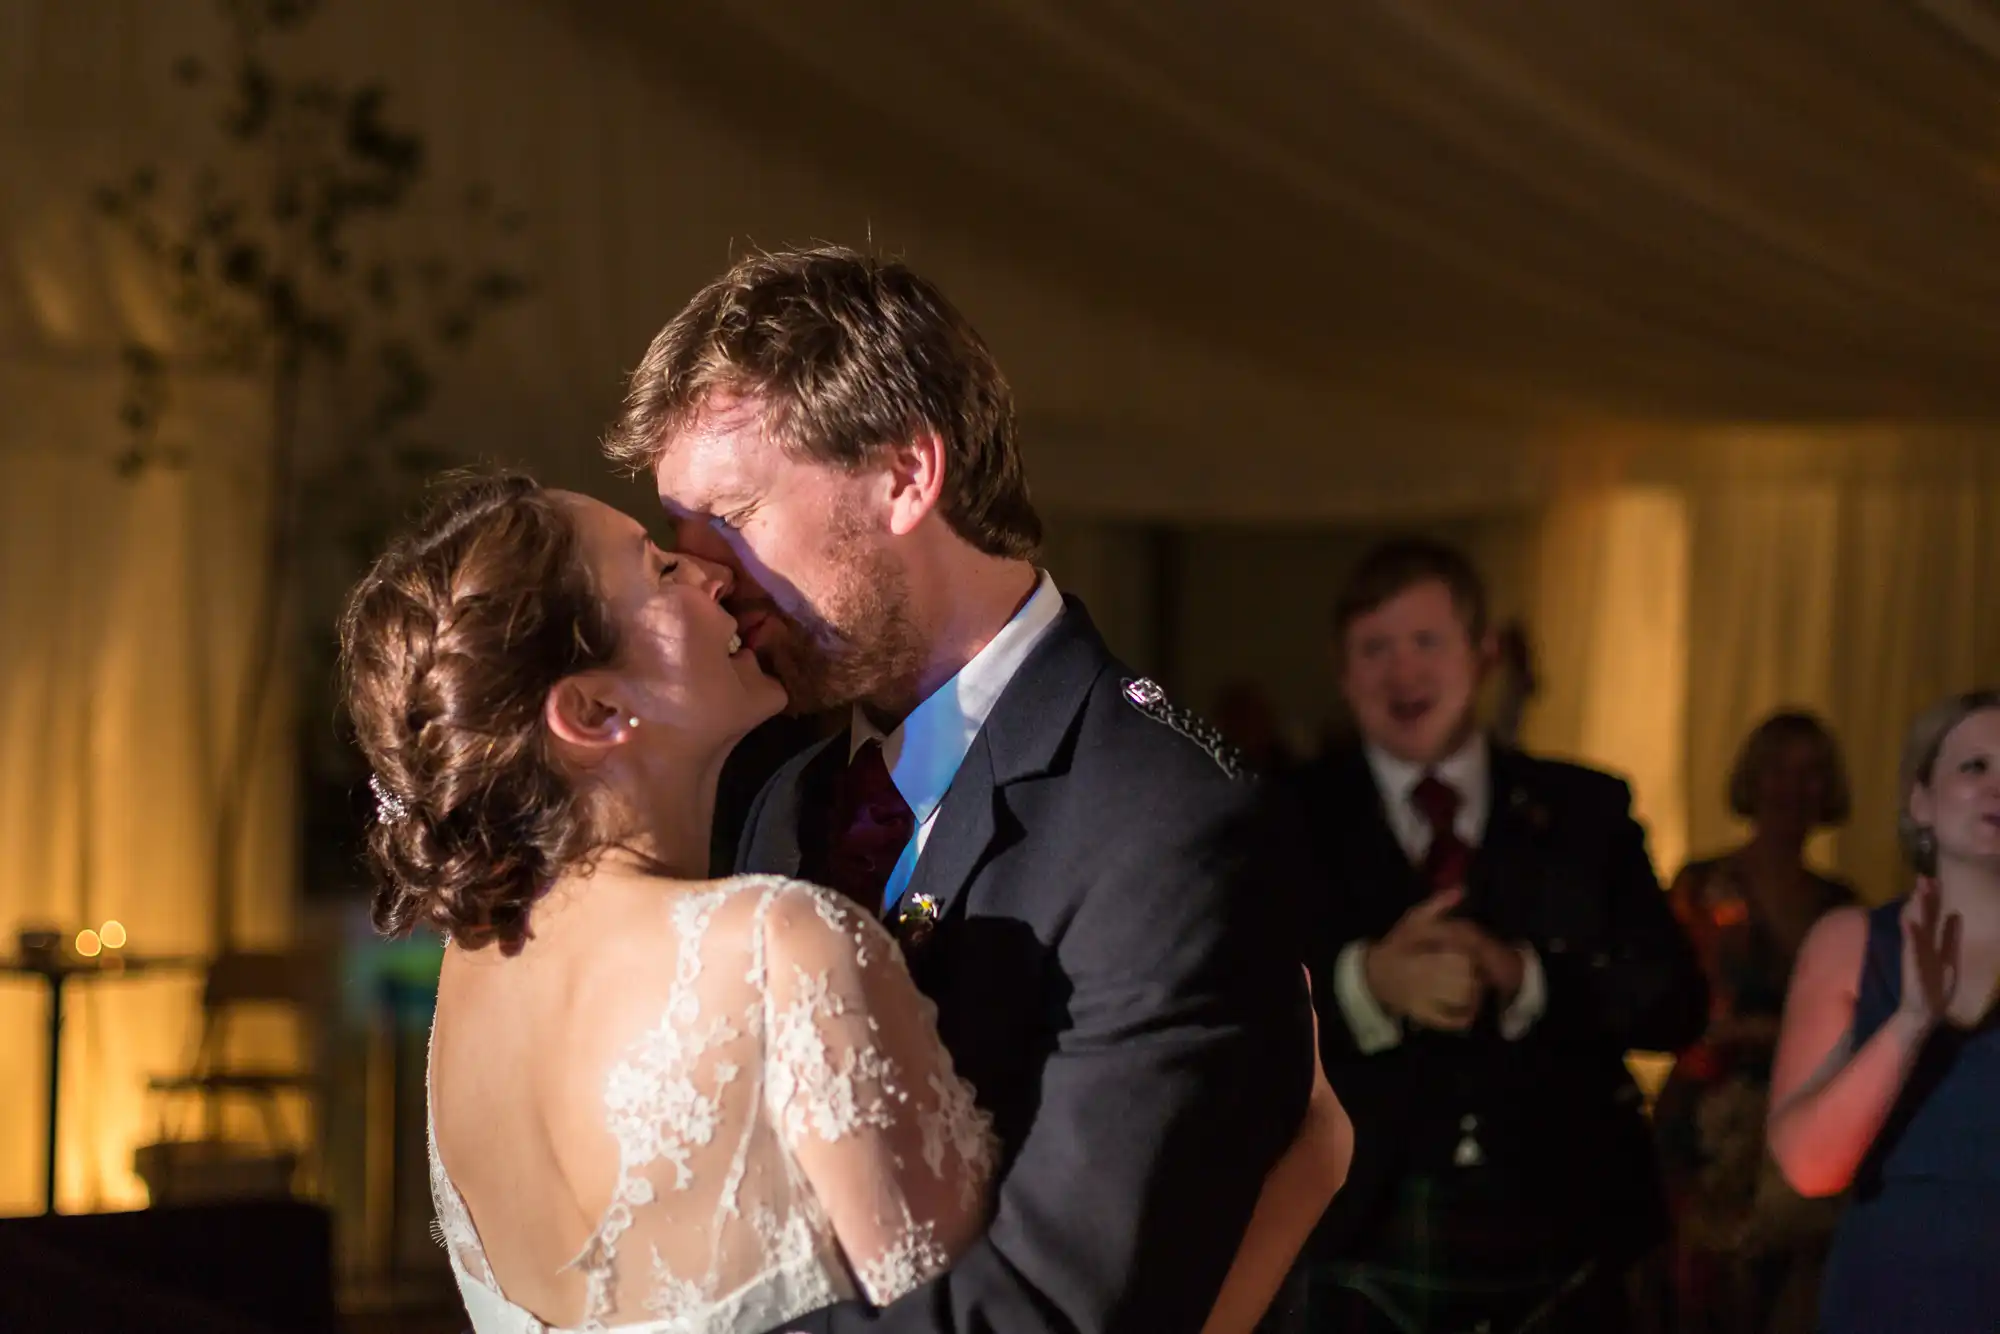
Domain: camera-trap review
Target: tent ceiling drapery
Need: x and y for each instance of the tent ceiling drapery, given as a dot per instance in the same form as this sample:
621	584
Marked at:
1258	261
1711	211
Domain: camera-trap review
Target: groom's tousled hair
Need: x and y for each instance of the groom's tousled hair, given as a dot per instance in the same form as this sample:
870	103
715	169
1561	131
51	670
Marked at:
843	355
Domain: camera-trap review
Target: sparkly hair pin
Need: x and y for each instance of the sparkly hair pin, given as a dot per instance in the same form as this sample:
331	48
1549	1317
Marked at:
389	808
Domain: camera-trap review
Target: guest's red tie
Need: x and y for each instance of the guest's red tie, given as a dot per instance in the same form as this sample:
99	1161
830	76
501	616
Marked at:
1438	802
868	824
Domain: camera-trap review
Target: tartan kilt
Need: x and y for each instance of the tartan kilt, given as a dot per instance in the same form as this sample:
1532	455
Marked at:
1464	1245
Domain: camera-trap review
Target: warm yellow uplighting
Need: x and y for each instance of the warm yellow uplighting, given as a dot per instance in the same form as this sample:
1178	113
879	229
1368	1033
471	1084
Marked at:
112	933
87	943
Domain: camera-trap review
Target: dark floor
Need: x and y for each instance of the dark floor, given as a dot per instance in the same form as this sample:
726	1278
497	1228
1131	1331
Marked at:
438	1320
418	1307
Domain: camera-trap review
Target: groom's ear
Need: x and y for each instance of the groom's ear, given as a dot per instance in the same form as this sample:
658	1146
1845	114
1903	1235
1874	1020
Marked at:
915	472
583	719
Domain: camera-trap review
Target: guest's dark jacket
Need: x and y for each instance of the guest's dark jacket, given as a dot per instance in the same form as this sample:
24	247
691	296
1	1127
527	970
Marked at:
1562	867
1113	976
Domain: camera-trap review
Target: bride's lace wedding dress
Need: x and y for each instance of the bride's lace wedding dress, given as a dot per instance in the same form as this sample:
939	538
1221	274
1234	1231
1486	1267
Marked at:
789	1132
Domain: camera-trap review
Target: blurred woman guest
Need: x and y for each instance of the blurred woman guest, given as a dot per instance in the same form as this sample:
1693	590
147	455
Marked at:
1748	1248
1887	1077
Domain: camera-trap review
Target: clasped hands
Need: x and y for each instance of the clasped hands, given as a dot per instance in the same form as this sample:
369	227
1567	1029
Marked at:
1436	970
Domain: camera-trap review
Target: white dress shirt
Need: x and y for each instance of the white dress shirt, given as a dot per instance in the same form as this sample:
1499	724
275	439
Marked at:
1469	772
924	751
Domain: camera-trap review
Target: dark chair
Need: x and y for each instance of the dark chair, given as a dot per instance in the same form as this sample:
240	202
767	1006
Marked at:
237	983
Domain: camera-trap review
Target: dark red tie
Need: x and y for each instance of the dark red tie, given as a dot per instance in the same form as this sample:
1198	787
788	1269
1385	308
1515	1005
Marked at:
1438	802
868	824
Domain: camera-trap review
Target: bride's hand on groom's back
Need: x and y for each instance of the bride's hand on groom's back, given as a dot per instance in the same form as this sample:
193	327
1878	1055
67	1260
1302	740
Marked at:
1327	1126
1294	1197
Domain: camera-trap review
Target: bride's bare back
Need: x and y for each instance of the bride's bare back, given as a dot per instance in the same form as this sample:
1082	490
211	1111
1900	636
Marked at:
708	1107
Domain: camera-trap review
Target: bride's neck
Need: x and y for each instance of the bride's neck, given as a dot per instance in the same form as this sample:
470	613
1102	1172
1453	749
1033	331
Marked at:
666	809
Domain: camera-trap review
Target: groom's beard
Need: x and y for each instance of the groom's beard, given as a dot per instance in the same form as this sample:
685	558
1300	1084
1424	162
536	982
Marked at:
858	644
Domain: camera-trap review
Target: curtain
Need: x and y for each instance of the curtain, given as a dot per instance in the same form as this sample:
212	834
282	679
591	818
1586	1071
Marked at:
1862	599
124	607
1917	573
1681	602
1762	599
1610	587
125	602
1607	593
1849	577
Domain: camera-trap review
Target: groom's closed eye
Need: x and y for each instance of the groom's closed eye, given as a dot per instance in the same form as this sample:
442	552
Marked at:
697	535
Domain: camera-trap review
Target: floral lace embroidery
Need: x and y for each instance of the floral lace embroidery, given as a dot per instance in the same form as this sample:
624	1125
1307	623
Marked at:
674	1297
912	1259
846	922
687	1120
653	1108
958	1122
809	1086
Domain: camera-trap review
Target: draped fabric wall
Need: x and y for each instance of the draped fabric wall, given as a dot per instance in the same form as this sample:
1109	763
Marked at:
1871	602
1917	575
1848	576
1763	564
1610	605
125	602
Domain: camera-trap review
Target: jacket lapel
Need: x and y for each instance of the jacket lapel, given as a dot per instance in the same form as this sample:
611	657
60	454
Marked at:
1362	811
1513	819
1021	740
776	847
958	842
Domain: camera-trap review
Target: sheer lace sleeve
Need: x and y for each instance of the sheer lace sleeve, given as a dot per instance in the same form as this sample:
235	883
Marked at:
863	1093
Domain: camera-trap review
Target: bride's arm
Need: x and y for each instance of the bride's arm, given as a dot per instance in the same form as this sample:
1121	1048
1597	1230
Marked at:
863	1092
1295	1194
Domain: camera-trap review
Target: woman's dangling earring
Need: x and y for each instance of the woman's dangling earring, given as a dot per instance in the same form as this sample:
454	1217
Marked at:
1924	847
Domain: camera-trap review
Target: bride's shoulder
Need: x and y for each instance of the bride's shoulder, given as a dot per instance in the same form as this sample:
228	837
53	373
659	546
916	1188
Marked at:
775	891
796	916
743	926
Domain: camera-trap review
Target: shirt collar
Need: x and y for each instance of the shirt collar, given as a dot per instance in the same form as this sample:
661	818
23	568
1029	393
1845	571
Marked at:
924	751
1465	769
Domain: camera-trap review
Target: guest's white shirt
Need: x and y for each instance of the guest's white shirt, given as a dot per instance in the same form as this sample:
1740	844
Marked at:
925	750
1469	772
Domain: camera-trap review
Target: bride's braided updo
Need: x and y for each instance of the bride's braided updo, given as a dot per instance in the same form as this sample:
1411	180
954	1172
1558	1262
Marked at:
449	647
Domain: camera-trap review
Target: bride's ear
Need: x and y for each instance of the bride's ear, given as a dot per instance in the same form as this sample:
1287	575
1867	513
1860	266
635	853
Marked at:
585	718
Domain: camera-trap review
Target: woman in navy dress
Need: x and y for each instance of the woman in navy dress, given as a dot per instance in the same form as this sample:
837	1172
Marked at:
1887	1077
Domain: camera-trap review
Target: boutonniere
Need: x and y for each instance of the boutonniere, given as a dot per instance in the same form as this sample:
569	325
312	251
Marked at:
1536	814
916	919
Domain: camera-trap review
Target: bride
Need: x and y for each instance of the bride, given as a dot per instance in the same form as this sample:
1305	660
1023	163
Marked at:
658	1102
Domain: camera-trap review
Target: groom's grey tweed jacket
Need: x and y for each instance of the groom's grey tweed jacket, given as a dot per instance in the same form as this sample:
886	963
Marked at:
1115	973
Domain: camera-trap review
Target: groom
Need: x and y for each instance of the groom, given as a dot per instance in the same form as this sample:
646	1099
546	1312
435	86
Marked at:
1077	870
